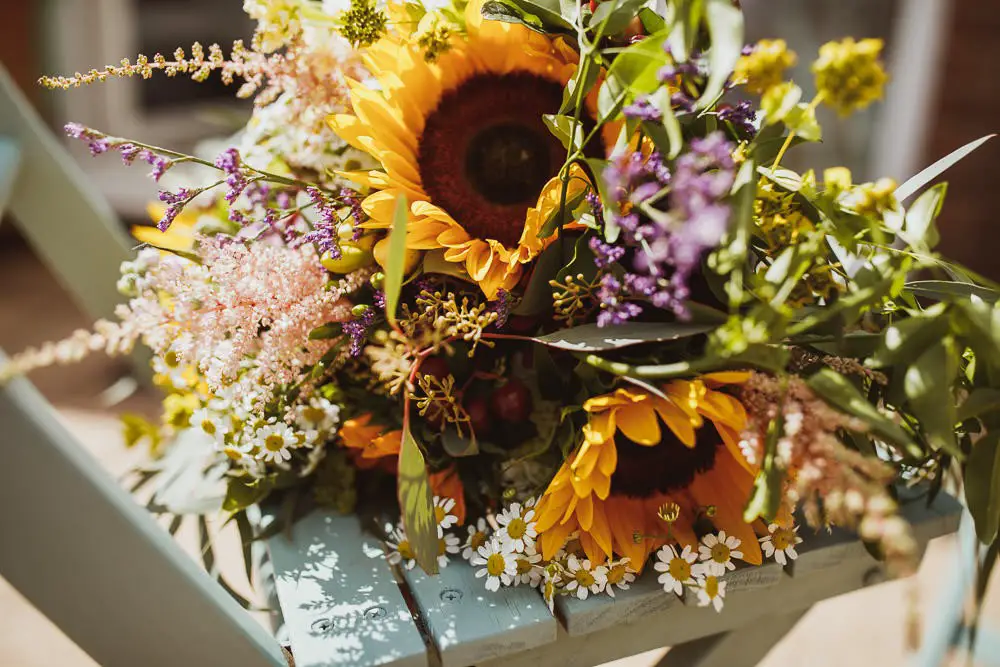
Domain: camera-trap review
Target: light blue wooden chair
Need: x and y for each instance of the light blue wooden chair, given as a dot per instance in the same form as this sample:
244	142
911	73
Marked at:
83	552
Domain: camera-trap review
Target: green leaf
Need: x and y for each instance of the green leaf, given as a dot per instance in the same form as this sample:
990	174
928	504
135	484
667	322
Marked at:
416	502
506	12
549	11
802	120
565	129
637	65
592	338
725	30
906	339
766	498
919	228
652	22
396	262
670	127
979	402
946	290
618	14
562	215
838	391
928	386
779	101
982	486
242	492
326	331
915	183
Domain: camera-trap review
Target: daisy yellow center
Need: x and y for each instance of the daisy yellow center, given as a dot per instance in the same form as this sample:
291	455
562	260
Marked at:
712	587
783	538
485	152
405	550
616	574
721	553
584	578
496	564
313	415
679	569
517	528
523	566
477	540
274	443
233	453
208	426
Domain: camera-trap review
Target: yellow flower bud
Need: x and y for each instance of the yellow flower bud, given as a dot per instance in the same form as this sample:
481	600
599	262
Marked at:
837	179
354	255
764	67
849	75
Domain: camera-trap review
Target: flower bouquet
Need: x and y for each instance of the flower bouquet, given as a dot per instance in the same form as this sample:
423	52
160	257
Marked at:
534	277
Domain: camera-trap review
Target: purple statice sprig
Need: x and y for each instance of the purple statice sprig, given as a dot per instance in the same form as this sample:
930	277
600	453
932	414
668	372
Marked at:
99	143
175	201
741	116
358	329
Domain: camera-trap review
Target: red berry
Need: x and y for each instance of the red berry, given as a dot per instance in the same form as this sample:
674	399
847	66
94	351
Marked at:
511	402
435	367
479	415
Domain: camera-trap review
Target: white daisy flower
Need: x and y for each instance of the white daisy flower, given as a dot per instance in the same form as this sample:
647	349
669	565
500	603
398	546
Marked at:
318	415
499	566
442	513
717	553
478	534
677	568
528	569
449	544
584	578
517	527
711	591
552	578
620	574
780	543
212	423
275	442
400	549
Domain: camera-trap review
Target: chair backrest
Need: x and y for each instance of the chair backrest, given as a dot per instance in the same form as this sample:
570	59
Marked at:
71	540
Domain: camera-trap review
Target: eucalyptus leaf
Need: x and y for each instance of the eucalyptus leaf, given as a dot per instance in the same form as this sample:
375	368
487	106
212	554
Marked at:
946	290
838	391
565	129
917	182
457	445
982	486
507	12
396	262
617	13
980	402
416	502
919	228
549	11
325	332
725	30
928	386
592	338
906	339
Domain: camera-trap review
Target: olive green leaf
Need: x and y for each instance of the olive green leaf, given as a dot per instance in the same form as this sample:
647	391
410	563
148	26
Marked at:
396	263
982	486
416	502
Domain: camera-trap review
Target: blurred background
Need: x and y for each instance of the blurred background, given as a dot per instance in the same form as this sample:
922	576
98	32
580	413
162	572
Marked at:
944	92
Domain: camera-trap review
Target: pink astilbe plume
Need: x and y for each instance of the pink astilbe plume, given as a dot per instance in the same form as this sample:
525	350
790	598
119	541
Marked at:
242	316
835	484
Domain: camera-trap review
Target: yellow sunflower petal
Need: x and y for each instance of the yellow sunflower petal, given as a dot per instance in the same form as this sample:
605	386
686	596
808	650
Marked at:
639	423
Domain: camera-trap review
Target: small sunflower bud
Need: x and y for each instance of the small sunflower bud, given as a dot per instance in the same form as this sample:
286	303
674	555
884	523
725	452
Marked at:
360	309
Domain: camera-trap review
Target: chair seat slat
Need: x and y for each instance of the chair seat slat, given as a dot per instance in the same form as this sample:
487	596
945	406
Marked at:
339	598
818	555
470	624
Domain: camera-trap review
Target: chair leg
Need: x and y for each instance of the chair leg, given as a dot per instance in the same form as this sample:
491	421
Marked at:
743	647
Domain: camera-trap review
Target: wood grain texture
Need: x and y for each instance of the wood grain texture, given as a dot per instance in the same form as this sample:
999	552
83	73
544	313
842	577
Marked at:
339	597
743	646
470	624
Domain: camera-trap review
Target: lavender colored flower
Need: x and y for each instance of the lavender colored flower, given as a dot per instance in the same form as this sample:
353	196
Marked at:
596	208
643	109
175	201
378	298
324	233
742	117
605	254
358	329
615	309
502	307
230	163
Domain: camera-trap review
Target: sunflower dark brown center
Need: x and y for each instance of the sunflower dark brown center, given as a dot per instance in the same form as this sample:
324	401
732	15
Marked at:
485	152
643	470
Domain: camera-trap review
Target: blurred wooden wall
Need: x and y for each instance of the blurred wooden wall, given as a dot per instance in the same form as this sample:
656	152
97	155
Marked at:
968	107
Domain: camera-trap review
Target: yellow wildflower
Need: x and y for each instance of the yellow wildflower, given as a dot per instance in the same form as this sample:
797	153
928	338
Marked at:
849	75
764	67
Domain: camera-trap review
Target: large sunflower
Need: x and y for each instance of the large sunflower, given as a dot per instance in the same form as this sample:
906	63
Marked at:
628	467
463	139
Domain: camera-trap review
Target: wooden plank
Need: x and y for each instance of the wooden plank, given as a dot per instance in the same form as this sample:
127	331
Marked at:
645	618
83	552
339	598
743	646
470	624
818	552
10	163
59	212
